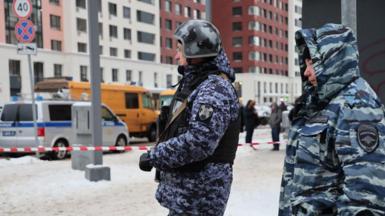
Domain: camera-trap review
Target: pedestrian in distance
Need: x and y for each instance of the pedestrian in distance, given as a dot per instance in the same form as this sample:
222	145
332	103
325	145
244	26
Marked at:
251	120
196	150
335	156
242	116
275	124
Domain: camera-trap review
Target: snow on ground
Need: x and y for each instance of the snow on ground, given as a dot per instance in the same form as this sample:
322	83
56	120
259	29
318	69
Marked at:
29	186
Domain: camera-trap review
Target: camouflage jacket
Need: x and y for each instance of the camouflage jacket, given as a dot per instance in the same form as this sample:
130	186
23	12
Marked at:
204	192
335	157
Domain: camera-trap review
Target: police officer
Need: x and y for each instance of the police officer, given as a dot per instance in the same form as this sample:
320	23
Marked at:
197	147
335	158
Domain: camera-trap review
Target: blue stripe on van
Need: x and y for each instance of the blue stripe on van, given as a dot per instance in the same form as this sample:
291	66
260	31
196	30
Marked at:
48	124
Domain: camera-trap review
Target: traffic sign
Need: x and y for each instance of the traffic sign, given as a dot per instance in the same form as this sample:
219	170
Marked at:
26	48
25	31
22	8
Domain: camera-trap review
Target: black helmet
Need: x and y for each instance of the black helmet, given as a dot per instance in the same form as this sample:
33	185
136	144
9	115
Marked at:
199	38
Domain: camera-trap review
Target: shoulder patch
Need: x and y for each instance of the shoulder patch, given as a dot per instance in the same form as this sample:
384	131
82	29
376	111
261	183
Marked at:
368	137
205	112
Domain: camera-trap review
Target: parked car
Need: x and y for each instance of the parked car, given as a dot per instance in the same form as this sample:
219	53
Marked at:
54	126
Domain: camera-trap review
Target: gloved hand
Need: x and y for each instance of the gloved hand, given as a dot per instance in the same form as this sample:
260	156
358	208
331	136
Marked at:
144	162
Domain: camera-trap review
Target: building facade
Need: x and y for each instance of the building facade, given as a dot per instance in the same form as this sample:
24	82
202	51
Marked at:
129	35
172	14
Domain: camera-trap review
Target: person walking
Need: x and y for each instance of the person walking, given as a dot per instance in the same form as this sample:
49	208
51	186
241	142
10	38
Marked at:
251	120
275	124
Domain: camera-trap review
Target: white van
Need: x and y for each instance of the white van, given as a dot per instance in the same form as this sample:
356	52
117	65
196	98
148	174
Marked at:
54	126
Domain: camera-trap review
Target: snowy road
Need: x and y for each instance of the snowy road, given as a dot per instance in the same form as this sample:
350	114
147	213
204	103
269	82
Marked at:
33	187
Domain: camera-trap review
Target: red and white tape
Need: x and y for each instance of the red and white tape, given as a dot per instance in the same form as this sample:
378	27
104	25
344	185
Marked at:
99	148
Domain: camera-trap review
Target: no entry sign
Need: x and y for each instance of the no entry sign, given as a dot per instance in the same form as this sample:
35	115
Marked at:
22	8
25	31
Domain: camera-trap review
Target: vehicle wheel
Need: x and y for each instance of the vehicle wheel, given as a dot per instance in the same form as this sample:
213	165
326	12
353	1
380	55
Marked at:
152	134
60	155
121	141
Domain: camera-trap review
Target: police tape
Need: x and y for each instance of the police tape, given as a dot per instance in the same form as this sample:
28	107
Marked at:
98	148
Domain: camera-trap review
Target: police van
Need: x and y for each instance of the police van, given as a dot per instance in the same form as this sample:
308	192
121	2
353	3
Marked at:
54	126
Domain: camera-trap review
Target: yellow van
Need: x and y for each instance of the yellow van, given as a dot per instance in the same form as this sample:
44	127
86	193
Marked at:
133	104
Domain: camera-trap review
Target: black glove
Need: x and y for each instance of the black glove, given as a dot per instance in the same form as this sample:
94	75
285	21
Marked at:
144	162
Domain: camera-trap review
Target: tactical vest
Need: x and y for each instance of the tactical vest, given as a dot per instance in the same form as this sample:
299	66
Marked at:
178	124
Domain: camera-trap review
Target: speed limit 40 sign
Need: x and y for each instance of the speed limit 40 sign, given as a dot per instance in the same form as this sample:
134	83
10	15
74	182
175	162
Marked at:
22	8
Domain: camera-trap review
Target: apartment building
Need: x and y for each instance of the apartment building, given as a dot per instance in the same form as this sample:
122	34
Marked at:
129	35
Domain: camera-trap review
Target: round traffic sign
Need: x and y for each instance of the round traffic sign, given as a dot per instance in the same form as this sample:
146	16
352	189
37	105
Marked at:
22	8
25	31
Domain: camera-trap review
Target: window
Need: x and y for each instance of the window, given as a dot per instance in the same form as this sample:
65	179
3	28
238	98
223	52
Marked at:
112	9
101	30
102	75
254	40
140	80
14	77
168	24
82	47
54	21
107	115
60	112
146	56
254	25
237	11
100	50
237	41
187	12
145	17
128	75
127	53
156	80
254	56
147	103
54	2
147	1
132	101
127	34
81	25
57	70
25	112
238	70
115	75
56	45
198	14
237	26
113	31
83	73
167	5
145	37
169	60
113	51
169	43
178	9
254	10
126	12
81	3
38	69
169	80
237	56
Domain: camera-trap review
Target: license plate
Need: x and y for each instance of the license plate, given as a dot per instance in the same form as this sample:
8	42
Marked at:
9	133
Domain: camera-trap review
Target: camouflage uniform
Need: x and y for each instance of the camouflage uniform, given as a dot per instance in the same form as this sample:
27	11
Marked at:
335	157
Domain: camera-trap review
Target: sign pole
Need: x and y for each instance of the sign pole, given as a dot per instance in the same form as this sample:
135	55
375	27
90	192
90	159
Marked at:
32	79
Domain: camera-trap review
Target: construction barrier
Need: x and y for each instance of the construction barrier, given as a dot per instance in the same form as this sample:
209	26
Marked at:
101	148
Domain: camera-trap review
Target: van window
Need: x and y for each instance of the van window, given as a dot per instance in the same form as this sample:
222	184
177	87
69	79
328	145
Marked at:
17	112
107	115
132	101
9	112
147	103
60	112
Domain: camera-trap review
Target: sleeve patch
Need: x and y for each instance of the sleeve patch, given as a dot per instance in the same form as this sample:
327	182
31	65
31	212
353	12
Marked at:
368	137
205	112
